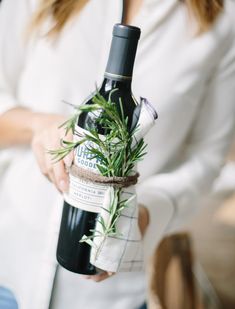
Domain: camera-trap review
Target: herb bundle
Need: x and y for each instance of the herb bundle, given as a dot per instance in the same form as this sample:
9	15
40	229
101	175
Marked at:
117	153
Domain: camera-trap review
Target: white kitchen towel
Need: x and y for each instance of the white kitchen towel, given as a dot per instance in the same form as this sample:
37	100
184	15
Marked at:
121	252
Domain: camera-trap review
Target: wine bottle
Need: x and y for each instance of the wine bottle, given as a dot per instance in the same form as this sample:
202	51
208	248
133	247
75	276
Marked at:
76	219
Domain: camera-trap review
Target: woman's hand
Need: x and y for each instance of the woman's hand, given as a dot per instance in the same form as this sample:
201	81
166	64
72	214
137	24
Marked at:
143	219
21	126
47	136
143	224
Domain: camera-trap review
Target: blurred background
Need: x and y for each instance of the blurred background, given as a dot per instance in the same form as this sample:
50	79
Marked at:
196	268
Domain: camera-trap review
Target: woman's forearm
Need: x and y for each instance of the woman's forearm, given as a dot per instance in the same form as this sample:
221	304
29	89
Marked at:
21	126
16	127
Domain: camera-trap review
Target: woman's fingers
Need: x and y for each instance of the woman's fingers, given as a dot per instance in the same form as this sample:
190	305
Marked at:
49	139
100	277
61	177
68	160
56	171
40	157
143	219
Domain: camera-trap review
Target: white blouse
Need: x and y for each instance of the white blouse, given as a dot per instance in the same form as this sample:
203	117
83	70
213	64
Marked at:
190	80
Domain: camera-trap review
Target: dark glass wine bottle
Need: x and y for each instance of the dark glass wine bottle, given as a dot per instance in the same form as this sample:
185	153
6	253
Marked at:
76	222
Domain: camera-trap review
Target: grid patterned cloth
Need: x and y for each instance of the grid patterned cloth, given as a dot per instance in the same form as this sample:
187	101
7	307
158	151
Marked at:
122	252
122	249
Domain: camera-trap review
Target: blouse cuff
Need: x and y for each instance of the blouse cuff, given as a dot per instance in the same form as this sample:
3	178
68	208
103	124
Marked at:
161	214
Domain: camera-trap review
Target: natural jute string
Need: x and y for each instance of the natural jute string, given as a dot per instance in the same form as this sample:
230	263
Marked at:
119	182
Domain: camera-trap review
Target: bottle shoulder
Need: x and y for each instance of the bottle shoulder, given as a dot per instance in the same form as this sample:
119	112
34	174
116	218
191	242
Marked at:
121	96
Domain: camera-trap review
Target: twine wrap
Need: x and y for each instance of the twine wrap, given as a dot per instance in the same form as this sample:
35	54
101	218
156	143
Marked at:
117	182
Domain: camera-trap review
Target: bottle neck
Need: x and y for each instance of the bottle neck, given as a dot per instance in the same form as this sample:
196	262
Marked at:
121	59
121	84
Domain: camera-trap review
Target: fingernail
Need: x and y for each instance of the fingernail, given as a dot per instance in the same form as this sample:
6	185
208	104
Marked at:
68	160
63	186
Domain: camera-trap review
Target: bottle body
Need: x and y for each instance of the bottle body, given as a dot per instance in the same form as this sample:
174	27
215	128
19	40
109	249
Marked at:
77	222
71	254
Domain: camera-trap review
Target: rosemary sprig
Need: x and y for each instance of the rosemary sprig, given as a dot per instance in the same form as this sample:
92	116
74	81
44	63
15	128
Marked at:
117	153
66	148
69	125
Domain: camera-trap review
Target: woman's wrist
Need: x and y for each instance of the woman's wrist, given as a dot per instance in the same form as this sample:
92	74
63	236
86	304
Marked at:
143	218
19	126
43	121
16	127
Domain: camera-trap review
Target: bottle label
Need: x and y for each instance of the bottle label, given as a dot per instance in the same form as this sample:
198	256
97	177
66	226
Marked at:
83	193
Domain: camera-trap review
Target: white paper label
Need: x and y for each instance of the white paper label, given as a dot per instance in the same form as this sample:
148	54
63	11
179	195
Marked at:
82	193
85	194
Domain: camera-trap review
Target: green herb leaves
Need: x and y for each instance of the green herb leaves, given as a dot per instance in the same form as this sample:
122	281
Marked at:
116	154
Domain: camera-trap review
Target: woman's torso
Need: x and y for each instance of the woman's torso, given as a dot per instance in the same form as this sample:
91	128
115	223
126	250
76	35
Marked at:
171	70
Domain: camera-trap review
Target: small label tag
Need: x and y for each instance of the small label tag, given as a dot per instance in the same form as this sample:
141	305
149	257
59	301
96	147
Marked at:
82	157
84	194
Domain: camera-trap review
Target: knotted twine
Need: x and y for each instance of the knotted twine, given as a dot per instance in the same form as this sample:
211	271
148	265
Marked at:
123	252
104	243
115	181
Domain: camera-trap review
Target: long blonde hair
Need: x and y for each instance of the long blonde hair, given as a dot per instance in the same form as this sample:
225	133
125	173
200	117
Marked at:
205	12
60	10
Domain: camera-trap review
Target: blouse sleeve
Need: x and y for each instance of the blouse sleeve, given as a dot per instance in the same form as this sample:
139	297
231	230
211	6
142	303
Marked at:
14	17
171	197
